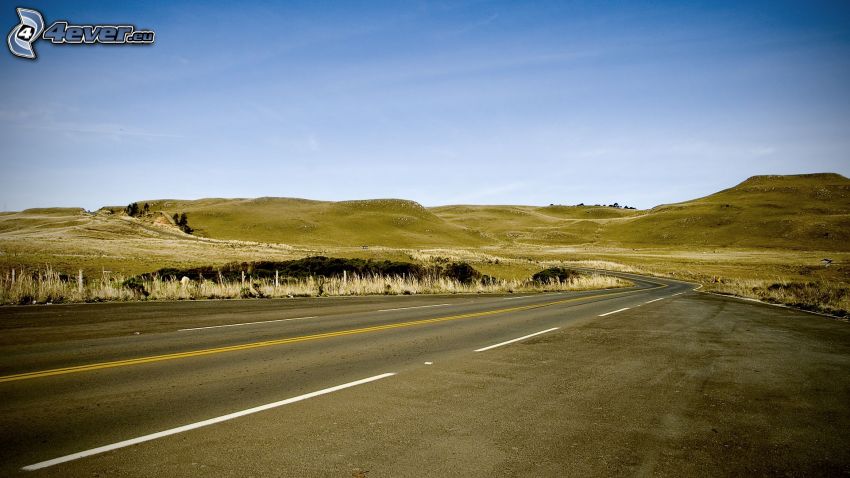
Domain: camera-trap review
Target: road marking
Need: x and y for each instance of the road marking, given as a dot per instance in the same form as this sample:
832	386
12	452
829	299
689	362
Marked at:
415	307
750	299
517	297
247	323
677	293
303	338
517	339
204	423
613	312
654	300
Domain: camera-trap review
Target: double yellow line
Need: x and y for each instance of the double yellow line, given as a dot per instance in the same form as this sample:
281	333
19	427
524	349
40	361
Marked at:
290	340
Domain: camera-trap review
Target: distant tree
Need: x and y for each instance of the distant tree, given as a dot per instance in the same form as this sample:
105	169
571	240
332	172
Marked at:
182	221
132	209
147	208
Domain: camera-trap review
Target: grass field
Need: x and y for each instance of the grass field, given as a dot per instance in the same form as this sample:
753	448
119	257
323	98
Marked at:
763	238
47	286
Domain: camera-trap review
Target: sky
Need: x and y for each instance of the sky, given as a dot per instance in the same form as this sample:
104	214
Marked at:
641	103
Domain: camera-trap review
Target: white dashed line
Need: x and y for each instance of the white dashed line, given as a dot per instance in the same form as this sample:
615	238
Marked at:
517	339
654	300
415	307
248	323
192	426
613	312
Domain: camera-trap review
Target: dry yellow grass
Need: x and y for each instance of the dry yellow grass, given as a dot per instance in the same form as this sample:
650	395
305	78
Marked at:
824	297
780	277
48	286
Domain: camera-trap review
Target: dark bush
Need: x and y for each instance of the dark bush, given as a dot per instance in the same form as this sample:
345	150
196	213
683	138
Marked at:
182	221
320	266
461	272
489	280
554	274
132	209
135	285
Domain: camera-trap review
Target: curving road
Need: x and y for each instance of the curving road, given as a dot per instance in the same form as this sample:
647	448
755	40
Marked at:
654	379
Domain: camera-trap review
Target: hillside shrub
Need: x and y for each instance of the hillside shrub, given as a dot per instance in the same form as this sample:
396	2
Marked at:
461	272
132	209
182	221
135	285
325	267
555	274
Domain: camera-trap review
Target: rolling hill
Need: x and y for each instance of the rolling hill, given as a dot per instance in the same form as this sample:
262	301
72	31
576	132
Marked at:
377	222
804	212
810	211
800	212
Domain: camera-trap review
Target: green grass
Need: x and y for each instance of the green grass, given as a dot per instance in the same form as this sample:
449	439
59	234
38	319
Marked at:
773	229
379	222
803	212
550	225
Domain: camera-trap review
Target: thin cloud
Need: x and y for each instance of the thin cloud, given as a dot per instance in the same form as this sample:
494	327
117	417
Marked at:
470	27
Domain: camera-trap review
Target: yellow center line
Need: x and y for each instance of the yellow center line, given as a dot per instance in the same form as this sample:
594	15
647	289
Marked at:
291	340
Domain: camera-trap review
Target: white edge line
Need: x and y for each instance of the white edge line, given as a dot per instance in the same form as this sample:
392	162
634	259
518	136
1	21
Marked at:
414	307
654	300
247	323
192	426
517	339
613	312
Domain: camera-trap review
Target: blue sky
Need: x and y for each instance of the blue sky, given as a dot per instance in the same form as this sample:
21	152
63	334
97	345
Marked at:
642	103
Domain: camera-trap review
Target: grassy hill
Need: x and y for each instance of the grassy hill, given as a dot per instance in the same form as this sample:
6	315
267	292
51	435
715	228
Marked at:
810	212
69	239
378	222
551	225
763	238
796	213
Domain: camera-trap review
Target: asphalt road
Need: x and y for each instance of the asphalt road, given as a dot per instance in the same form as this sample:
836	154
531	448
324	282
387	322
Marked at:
651	380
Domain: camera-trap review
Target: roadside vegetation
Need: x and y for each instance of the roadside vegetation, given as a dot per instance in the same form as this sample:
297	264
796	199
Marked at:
48	286
824	297
819	289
